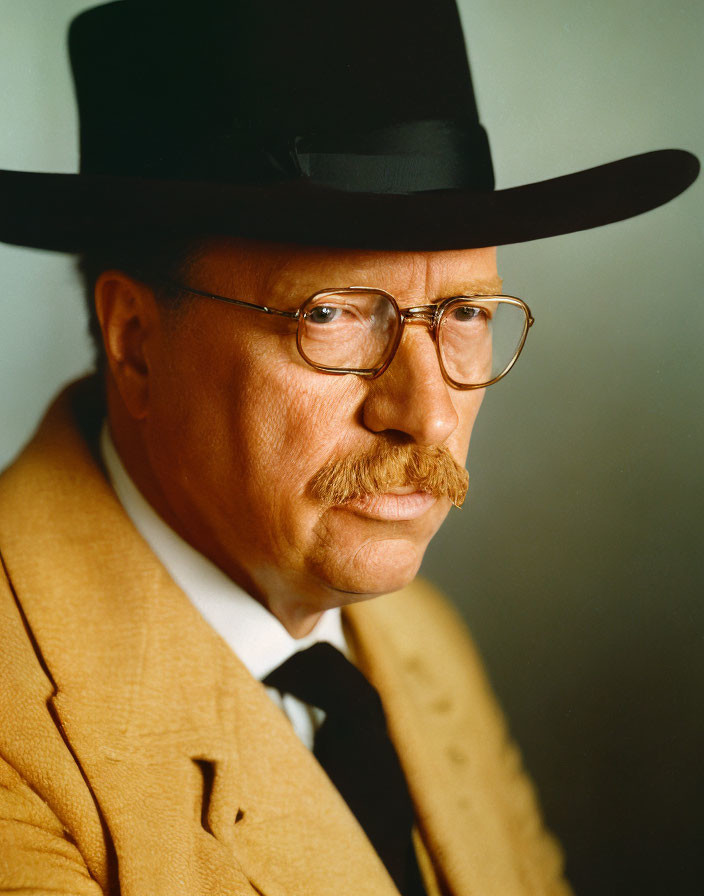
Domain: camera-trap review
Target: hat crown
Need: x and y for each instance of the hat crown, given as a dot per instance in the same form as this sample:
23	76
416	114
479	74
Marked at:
374	95
319	124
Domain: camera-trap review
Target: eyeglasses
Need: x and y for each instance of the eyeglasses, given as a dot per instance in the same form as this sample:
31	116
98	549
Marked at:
358	329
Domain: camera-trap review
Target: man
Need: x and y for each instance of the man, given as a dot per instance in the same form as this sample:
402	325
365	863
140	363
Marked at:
295	326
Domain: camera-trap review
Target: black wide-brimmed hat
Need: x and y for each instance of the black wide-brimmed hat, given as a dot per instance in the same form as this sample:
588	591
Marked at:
304	121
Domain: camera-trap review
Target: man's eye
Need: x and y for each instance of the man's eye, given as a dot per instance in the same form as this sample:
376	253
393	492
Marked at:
324	314
468	314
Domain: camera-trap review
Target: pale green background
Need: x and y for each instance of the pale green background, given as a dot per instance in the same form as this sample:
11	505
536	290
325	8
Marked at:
578	558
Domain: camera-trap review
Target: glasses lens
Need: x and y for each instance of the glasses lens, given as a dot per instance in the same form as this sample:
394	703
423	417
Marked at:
348	330
479	339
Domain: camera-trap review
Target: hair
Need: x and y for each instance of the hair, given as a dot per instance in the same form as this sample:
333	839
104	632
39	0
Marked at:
160	264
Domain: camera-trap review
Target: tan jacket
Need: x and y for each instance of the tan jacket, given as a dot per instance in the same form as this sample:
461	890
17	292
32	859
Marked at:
139	756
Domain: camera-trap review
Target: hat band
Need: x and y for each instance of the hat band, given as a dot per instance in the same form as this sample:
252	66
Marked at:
408	157
411	157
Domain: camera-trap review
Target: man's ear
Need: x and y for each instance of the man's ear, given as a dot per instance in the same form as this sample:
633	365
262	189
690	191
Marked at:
130	322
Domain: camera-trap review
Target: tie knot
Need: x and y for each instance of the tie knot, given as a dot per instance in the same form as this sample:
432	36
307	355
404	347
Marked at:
322	676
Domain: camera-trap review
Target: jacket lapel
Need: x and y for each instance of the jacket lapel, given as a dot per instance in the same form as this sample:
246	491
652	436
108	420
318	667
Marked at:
198	776
469	794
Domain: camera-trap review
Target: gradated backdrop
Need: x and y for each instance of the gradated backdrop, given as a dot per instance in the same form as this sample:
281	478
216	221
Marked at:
577	560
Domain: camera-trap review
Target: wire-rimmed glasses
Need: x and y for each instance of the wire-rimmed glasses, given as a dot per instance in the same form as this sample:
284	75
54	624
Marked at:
358	329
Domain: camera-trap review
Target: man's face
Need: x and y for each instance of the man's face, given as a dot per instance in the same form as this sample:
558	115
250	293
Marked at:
238	425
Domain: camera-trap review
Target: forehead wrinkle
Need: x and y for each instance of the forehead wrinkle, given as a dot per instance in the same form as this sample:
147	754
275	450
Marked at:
413	277
334	272
456	274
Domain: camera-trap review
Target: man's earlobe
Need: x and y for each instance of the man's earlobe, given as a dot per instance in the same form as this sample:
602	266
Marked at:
126	309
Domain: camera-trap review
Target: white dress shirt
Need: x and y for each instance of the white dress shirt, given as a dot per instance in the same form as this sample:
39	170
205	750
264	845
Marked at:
253	633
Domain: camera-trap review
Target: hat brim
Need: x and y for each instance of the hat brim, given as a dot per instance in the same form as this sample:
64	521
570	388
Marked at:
76	212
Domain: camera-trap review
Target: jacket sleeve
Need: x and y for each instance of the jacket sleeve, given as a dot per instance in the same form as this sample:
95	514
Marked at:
37	856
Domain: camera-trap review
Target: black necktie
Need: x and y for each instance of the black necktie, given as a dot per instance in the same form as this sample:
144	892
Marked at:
354	748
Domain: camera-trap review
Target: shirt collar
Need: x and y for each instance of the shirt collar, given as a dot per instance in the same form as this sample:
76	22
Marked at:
251	631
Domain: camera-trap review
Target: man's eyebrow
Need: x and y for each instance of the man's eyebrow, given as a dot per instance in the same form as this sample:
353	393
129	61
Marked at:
490	287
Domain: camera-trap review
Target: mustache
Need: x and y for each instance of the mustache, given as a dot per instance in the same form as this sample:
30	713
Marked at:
429	468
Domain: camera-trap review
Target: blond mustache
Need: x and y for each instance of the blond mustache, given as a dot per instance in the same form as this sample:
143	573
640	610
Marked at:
429	469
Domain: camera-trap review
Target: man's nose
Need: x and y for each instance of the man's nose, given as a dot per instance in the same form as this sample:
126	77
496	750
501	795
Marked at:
411	396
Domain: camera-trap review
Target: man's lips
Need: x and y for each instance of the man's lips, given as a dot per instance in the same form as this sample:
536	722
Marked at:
403	503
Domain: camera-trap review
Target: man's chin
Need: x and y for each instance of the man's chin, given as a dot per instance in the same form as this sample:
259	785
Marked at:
379	567
359	557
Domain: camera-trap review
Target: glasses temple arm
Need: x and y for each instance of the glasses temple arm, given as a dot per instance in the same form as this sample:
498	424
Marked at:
209	295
